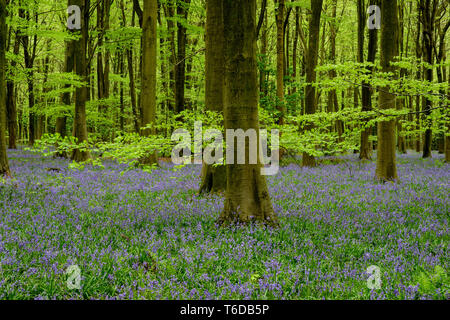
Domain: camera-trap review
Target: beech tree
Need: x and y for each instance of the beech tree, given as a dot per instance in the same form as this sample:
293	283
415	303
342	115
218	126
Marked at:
280	57
247	197
81	92
214	177
11	108
312	58
365	149
386	158
148	91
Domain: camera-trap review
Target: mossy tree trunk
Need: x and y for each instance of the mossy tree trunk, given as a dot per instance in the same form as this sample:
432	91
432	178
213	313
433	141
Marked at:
312	58
386	157
214	177
246	198
4	166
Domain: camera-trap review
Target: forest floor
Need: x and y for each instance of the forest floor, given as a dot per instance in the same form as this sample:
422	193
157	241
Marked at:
136	235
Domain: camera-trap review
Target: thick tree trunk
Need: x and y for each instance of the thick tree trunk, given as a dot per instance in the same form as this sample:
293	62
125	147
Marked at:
386	157
148	91
81	93
312	58
214	178
4	165
247	198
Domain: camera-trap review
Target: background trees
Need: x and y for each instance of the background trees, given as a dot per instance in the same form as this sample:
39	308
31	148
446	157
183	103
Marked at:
319	74
311	63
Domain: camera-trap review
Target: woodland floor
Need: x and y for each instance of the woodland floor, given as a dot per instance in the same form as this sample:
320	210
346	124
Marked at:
136	235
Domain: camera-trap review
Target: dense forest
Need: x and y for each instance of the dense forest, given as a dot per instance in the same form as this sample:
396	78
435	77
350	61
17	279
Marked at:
353	93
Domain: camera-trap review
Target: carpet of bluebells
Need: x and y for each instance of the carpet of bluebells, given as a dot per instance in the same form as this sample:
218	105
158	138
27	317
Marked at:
139	235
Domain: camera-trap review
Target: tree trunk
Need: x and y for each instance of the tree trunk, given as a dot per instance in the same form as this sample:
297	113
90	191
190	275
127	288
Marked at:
428	13
332	101
148	91
386	157
295	50
29	55
11	100
180	74
169	13
4	165
103	67
447	134
419	53
247	198
214	177
400	103
280	59
312	58
366	151
69	63
81	93
129	56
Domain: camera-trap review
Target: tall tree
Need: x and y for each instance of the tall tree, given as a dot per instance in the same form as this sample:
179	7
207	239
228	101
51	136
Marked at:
246	197
400	103
311	64
103	58
29	52
81	92
69	63
366	150
386	158
4	165
419	53
428	11
11	108
280	11
129	55
332	101
148	90
447	132
214	177
180	74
